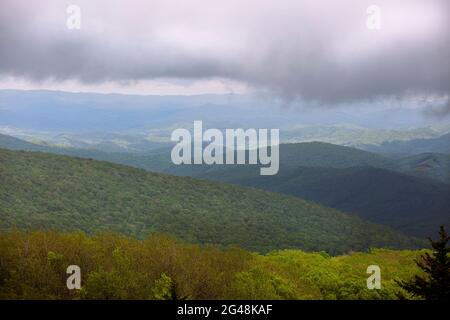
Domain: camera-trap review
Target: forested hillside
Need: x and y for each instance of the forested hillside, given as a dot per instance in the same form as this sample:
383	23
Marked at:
413	205
394	192
425	165
42	191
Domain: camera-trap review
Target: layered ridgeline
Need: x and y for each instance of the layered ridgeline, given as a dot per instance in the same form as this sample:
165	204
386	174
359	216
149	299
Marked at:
414	146
369	185
434	166
42	191
395	192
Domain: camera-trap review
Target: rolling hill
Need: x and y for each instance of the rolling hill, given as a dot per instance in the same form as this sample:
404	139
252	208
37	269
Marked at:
413	205
42	191
394	192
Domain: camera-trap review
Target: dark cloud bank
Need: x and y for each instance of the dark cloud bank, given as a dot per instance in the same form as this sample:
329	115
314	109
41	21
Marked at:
318	51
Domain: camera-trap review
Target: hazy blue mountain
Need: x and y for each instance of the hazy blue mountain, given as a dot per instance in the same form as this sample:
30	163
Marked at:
358	136
415	146
54	112
63	112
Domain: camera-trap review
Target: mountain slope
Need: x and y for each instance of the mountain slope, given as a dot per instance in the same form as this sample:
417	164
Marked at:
425	165
308	154
395	192
413	205
314	171
320	154
41	191
156	161
13	143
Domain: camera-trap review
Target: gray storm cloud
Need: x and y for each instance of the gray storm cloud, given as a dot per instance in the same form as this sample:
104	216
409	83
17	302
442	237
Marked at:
314	50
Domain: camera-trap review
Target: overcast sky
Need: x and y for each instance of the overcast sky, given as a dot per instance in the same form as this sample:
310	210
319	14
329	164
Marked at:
318	51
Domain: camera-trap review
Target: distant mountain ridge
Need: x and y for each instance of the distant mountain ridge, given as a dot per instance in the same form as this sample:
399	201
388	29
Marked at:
415	146
73	114
315	154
